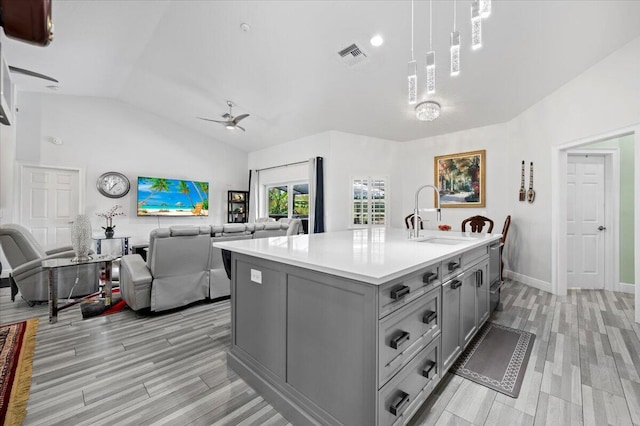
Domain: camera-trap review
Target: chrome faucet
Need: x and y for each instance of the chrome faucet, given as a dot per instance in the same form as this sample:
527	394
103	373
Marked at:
416	225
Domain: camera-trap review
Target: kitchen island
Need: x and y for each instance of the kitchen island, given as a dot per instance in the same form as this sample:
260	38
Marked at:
354	327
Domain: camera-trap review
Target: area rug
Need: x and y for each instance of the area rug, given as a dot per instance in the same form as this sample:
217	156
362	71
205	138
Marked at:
17	343
497	358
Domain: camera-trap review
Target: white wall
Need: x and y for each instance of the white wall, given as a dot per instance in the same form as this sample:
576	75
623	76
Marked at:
417	163
103	135
345	155
7	163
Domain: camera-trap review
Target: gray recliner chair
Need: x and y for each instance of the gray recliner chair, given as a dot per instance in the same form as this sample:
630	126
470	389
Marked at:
176	273
25	256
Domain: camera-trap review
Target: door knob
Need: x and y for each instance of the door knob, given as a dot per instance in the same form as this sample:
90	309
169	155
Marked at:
601	228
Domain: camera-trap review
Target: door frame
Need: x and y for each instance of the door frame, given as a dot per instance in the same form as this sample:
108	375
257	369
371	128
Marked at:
559	213
19	195
611	210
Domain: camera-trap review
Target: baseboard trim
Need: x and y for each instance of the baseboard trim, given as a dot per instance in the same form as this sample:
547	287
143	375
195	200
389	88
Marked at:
531	282
627	288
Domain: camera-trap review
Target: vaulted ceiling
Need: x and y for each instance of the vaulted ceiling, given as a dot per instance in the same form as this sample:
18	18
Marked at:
181	59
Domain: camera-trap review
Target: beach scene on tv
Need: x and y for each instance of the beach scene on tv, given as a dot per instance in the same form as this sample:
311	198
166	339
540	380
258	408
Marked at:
172	197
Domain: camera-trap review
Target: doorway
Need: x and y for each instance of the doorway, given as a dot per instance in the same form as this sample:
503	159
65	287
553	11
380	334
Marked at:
560	155
586	220
49	203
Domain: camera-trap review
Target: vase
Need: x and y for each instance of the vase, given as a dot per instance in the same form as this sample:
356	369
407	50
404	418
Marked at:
108	232
81	238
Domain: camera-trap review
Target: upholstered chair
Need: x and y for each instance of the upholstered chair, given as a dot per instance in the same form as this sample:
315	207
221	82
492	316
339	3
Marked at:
25	256
176	272
295	226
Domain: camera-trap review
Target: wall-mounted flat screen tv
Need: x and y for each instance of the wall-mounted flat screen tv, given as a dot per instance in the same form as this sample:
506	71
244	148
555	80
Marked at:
172	197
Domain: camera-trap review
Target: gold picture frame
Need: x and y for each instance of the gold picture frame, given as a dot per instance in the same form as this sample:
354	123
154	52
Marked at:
460	178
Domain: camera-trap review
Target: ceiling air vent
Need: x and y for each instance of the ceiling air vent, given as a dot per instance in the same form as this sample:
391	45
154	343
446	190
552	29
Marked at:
352	55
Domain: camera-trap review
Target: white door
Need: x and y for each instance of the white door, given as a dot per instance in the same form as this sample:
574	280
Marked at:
585	221
49	202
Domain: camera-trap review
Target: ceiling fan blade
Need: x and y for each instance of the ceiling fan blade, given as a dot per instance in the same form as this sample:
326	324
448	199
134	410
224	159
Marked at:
215	121
32	74
240	117
239	127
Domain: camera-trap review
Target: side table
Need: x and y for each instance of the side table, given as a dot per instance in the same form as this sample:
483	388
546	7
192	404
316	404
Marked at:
52	265
124	239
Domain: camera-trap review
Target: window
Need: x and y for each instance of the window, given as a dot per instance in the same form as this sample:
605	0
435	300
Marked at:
369	202
288	200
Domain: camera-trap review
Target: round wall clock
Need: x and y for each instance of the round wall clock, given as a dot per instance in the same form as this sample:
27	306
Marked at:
113	185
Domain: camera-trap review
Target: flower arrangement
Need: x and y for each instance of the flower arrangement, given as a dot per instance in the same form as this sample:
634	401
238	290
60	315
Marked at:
109	217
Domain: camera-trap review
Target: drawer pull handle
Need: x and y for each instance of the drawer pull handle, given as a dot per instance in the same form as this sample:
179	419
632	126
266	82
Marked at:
479	279
430	367
455	284
399	340
453	266
399	293
429	316
399	403
429	277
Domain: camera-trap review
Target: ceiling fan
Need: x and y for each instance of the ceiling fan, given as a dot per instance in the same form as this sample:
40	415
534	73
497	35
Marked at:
230	122
31	74
28	21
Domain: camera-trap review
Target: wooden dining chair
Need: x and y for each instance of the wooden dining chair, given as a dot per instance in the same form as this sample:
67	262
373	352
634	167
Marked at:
477	224
503	239
408	222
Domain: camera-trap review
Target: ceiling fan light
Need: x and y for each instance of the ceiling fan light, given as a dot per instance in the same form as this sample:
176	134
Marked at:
427	111
230	127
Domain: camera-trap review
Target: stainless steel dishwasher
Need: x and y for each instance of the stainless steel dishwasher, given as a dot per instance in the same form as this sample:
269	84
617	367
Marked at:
495	276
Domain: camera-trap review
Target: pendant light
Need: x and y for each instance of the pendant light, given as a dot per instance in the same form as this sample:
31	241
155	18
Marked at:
476	25
455	45
431	56
412	75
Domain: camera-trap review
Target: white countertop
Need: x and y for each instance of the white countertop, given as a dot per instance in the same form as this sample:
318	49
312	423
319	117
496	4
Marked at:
374	255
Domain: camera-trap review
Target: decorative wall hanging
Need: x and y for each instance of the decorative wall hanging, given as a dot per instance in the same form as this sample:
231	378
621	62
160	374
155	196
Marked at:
523	192
461	179
531	194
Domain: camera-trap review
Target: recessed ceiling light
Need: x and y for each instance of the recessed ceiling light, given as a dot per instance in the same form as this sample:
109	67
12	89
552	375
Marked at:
245	27
377	40
53	87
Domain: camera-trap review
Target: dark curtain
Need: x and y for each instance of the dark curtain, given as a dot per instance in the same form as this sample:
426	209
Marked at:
318	224
248	216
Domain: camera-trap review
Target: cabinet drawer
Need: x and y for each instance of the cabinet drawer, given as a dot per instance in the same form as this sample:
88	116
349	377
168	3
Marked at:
399	293
406	332
471	257
399	399
451	267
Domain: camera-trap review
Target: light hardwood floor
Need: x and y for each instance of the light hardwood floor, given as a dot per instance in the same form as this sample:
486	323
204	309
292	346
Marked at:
171	368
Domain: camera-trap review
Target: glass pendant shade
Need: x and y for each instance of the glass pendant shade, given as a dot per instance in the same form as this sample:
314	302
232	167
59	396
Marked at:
413	82
427	111
476	25
431	72
455	53
485	8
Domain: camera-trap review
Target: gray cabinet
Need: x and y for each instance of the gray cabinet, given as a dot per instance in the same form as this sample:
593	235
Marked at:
481	274
450	324
468	317
465	307
328	350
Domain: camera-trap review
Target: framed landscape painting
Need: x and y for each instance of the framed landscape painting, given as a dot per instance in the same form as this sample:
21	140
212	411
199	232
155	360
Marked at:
460	179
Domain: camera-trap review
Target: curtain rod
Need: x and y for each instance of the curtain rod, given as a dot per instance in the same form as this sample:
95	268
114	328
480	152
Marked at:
284	165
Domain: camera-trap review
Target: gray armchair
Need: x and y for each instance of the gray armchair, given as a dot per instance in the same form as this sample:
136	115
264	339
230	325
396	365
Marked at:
176	272
25	256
